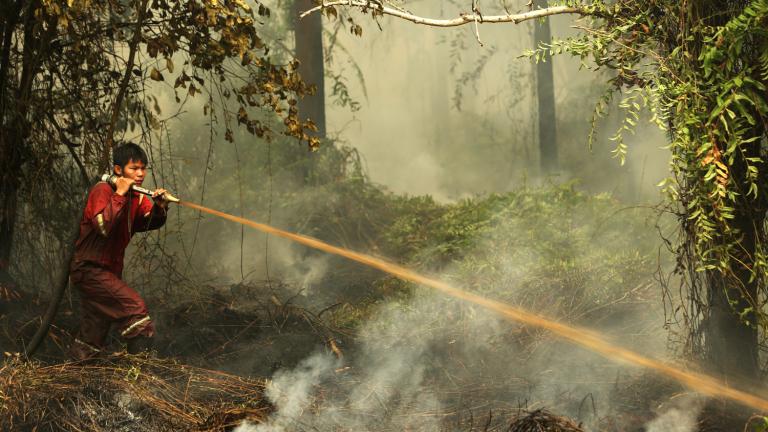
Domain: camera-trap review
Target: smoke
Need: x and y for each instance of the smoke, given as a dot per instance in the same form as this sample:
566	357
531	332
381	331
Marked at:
292	393
385	386
295	265
382	388
425	360
421	360
680	417
415	141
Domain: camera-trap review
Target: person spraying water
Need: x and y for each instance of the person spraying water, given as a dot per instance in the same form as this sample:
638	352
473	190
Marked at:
116	209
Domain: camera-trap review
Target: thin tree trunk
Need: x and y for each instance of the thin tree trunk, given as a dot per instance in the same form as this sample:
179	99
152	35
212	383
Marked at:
15	126
309	53
124	82
10	149
7	222
545	95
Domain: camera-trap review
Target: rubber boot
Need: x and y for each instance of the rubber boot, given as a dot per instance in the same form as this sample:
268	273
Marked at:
139	344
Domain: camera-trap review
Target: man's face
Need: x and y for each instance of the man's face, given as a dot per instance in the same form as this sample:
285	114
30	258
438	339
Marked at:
134	170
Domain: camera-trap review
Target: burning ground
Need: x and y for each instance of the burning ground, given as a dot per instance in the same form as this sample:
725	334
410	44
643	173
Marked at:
357	350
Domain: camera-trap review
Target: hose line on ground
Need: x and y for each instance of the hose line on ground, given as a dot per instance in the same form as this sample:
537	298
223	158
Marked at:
61	285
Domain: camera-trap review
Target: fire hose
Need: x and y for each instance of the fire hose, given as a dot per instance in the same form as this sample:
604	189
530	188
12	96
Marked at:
63	282
111	179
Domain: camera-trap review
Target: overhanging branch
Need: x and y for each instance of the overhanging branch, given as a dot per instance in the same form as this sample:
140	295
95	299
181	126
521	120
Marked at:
454	22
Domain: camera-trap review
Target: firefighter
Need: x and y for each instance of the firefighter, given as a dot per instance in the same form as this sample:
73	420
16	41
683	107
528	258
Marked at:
113	213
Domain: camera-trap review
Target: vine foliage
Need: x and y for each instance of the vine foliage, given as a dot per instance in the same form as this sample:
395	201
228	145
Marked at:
701	69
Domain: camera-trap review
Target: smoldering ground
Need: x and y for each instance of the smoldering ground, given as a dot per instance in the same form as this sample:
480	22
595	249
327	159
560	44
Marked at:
422	361
417	374
425	362
680	415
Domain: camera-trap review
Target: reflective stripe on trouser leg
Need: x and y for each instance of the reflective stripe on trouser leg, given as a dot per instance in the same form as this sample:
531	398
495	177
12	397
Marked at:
140	325
90	347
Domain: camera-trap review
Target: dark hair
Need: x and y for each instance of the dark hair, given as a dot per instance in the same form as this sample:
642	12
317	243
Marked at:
127	152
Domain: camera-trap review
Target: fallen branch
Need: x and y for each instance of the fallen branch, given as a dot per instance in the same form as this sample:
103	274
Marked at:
454	22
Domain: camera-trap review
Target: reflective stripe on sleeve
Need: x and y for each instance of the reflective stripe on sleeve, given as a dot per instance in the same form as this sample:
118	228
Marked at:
100	221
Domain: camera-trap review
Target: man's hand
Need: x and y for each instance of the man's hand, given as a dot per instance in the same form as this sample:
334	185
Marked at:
123	185
159	196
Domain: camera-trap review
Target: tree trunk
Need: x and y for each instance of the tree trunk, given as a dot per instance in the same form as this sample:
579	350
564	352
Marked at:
14	126
730	344
545	94
730	331
11	162
10	157
8	192
309	53
731	337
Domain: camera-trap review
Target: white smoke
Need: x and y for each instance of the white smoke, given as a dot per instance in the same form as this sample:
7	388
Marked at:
423	359
424	356
380	390
292	393
681	416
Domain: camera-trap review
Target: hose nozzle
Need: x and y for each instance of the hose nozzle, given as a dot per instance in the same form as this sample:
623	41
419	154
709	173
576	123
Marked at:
170	198
112	179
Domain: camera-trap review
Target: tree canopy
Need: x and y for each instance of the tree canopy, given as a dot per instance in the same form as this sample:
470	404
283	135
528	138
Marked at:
77	76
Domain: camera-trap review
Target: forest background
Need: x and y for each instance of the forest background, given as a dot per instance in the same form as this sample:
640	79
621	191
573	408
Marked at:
429	155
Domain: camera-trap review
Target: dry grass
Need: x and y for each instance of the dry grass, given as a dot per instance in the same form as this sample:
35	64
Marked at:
125	393
543	421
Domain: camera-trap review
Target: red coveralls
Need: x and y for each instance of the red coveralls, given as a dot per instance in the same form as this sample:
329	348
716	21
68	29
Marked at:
109	221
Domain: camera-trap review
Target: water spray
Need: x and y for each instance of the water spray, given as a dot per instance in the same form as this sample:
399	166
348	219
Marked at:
583	337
